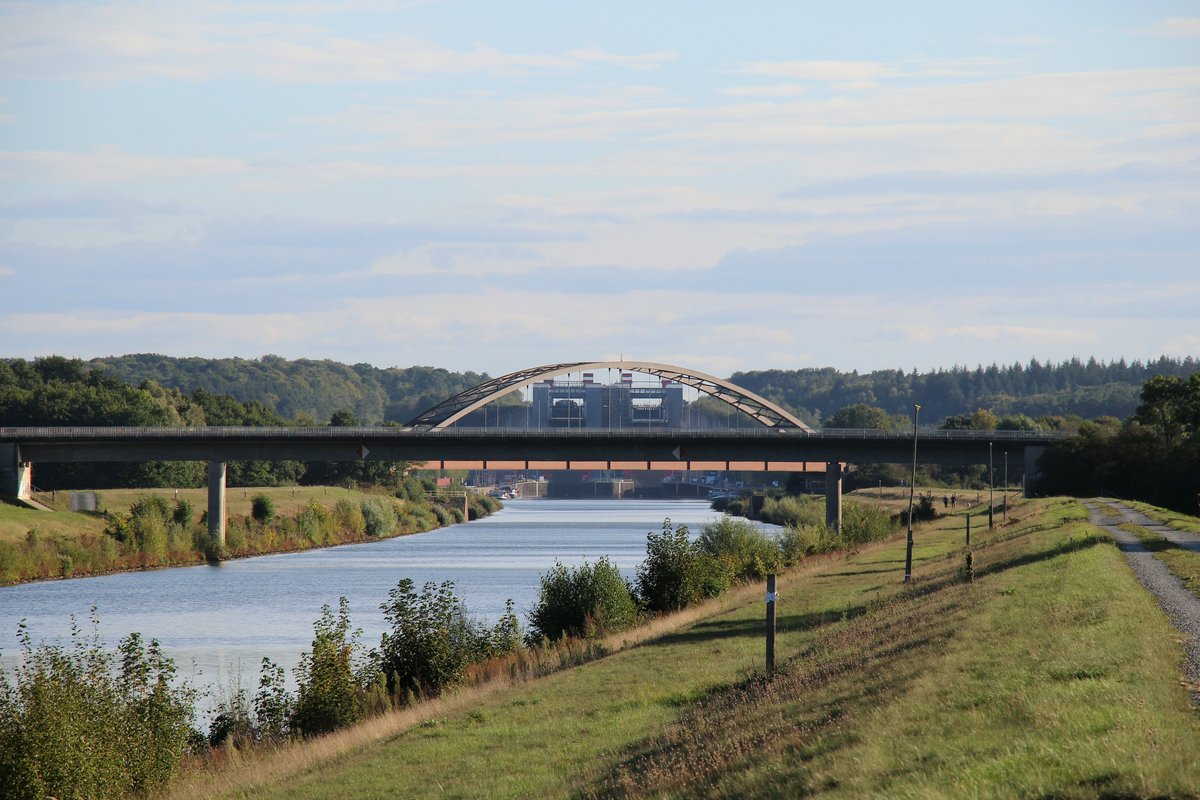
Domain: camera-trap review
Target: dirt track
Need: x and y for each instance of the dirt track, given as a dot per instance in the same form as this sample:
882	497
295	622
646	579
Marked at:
1181	605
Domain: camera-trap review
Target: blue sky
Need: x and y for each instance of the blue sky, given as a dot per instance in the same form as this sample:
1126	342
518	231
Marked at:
489	186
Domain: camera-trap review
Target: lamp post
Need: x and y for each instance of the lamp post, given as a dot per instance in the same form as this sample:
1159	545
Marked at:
912	487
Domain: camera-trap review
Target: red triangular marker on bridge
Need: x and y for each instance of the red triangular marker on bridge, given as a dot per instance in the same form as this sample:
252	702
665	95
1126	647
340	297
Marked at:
362	451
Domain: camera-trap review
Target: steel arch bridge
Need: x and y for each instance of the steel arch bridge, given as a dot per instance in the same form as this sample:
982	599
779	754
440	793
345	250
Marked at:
451	410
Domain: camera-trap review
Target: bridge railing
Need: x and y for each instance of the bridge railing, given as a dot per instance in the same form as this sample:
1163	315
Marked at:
15	434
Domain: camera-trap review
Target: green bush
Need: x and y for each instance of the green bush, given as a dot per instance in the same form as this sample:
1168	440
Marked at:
590	600
798	541
433	639
411	489
262	508
379	516
793	511
349	516
314	522
86	722
183	512
748	552
676	572
328	678
865	523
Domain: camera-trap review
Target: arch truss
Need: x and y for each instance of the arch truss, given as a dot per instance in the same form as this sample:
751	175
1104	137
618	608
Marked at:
450	411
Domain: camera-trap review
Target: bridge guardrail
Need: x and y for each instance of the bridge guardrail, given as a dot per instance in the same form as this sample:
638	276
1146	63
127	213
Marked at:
15	434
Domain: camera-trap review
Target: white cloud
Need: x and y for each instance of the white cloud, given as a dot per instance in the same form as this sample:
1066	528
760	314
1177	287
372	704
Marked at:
196	42
1177	27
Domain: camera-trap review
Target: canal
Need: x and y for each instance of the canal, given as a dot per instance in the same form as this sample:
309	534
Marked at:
219	621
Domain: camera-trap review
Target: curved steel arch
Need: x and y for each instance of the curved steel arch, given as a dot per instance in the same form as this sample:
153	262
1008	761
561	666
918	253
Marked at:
449	411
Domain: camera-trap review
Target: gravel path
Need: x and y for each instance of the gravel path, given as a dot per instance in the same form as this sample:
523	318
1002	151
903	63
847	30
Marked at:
1181	605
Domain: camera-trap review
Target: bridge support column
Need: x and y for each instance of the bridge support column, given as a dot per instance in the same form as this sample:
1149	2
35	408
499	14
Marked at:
1032	454
833	495
16	476
216	501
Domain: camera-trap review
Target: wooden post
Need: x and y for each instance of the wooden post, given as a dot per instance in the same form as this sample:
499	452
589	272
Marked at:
771	599
968	530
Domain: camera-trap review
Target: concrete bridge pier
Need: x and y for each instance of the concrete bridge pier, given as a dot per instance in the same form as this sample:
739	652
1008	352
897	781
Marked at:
833	495
216	501
16	476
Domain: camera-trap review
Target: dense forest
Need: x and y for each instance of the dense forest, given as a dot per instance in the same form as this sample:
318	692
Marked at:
1086	389
304	390
313	390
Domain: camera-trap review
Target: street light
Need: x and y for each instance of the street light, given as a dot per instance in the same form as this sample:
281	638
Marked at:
912	487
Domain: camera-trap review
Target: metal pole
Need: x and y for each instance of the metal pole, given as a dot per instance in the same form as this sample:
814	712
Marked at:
912	487
968	529
1005	487
771	598
991	483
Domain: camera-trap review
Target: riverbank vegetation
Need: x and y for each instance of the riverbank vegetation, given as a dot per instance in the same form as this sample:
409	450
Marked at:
1093	701
165	528
1090	704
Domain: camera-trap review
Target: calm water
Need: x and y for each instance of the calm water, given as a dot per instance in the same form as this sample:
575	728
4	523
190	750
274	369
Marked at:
216	621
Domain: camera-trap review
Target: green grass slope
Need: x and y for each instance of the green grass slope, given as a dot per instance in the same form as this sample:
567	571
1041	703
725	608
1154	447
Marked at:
1053	674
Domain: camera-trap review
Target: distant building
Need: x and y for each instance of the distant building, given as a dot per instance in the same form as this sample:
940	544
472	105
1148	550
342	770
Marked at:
587	404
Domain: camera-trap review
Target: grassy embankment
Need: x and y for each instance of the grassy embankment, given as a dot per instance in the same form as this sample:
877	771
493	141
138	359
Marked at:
36	545
1053	674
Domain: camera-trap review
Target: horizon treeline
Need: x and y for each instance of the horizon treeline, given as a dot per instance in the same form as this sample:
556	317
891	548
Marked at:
306	389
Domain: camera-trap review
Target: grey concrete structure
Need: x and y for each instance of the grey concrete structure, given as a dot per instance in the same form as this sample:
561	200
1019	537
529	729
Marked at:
216	501
833	496
766	449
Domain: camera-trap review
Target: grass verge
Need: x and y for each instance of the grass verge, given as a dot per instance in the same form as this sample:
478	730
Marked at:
1053	674
1172	519
1183	564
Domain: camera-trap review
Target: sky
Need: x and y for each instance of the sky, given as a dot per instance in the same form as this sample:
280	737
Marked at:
490	186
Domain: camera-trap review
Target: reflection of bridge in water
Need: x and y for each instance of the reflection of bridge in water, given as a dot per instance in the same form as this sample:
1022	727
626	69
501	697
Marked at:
778	443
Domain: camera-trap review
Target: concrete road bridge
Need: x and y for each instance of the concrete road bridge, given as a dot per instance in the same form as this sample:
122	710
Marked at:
778	443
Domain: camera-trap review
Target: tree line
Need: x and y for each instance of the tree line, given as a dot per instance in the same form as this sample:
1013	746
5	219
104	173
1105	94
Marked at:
305	389
57	391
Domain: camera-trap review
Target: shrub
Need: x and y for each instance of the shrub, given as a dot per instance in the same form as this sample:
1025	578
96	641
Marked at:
590	600
411	489
923	511
349	516
792	511
182	513
328	688
676	572
749	552
262	508
379	516
433	640
798	541
86	722
864	523
314	522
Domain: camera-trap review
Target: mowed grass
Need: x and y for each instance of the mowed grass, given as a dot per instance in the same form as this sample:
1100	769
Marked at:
1052	674
17	521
